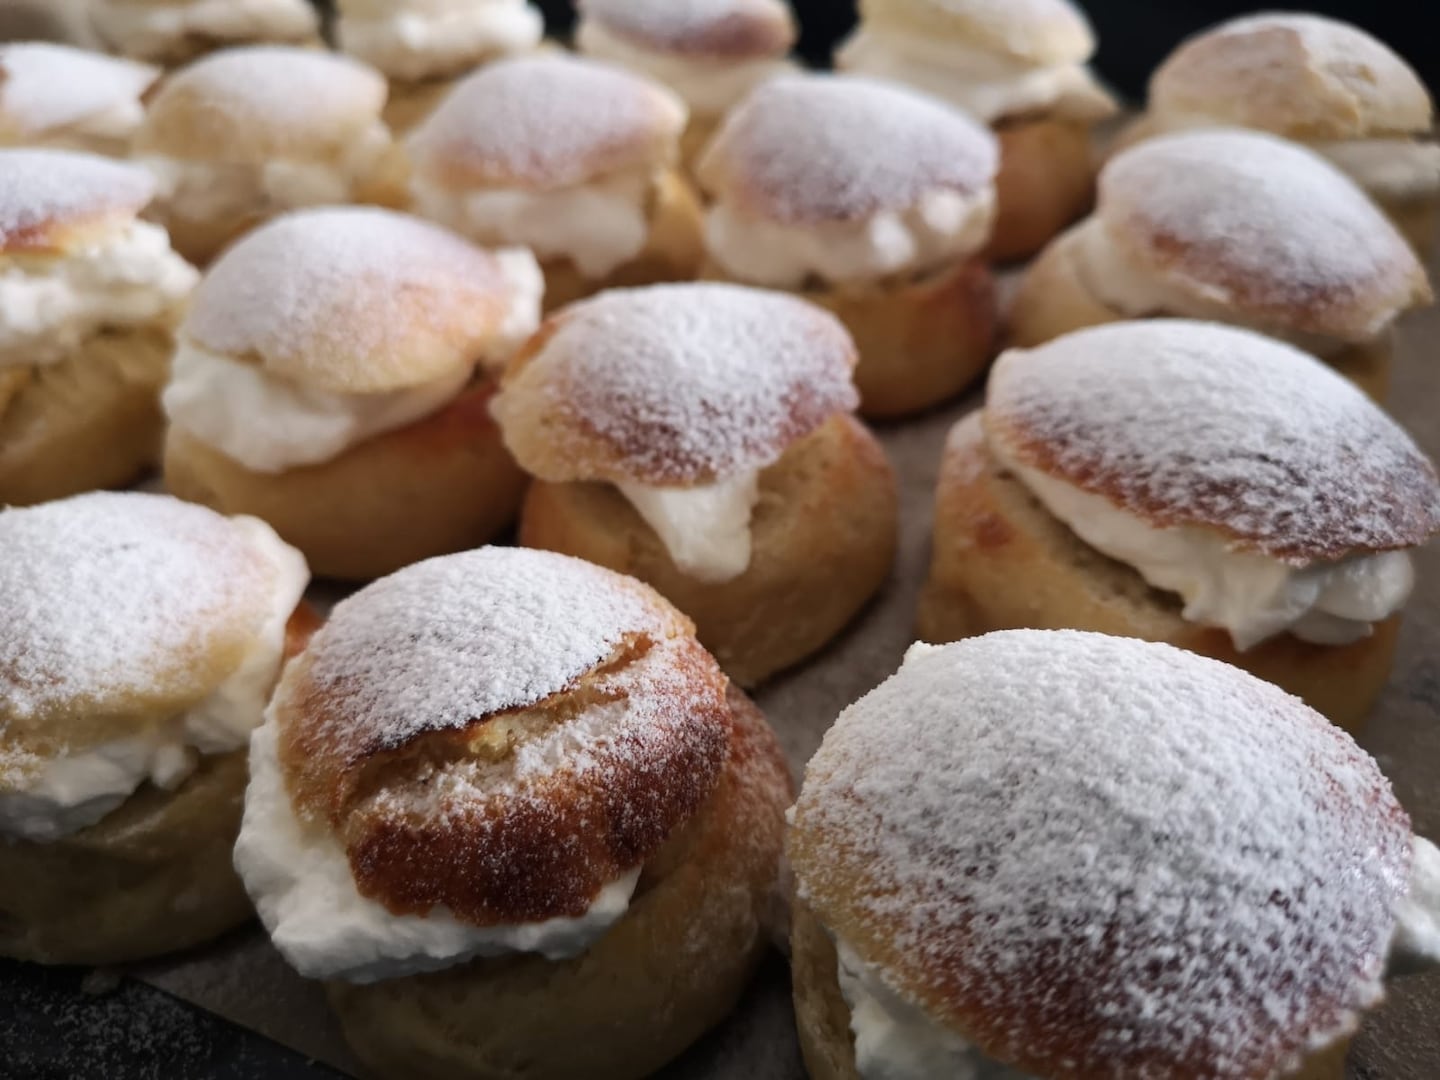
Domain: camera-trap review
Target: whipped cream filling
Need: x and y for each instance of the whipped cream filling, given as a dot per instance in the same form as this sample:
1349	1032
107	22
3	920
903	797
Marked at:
299	877
942	227
1415	945
139	29
445	37
1397	169
710	86
988	86
1250	595
76	790
599	226
49	304
706	529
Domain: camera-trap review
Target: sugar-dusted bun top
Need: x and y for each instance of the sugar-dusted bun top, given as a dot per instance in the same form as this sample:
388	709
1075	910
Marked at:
45	87
703	29
353	299
121	611
1042	32
1194	424
547	121
55	201
501	732
1097	856
253	104
673	384
1261	226
1302	76
810	149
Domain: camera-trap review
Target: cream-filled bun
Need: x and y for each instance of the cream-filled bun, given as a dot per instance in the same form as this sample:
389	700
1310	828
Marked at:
416	40
1020	67
62	97
333	378
141	639
89	297
177	31
1193	484
701	438
1236	227
710	52
1321	82
241	136
1058	854
569	157
513	813
875	202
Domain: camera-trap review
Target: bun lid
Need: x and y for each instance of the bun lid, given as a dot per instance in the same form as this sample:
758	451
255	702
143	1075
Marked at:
544	122
1041	32
249	105
1306	77
44	87
501	732
56	201
673	384
1200	425
1096	856
355	300
1257	227
810	149
702	29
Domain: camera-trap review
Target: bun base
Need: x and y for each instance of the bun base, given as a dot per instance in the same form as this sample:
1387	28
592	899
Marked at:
89	421
670	969
410	103
1417	220
990	532
1045	184
441	485
823	541
152	877
1052	301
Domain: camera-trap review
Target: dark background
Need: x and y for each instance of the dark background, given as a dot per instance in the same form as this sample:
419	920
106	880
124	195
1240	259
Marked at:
1135	35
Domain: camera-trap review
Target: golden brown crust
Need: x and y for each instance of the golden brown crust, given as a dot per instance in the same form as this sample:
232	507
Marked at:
451	473
90	421
990	532
1416	219
823	535
59	201
1046	182
410	103
1043	32
669	970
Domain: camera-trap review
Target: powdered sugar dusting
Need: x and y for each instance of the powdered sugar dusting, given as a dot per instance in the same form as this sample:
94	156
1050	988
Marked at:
111	596
44	86
1193	423
1107	857
725	28
40	187
683	383
814	148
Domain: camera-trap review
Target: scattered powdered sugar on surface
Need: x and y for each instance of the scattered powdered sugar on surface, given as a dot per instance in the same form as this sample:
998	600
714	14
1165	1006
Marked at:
708	27
38	187
813	148
1194	423
1333	44
1108	852
692	381
549	120
100	592
44	86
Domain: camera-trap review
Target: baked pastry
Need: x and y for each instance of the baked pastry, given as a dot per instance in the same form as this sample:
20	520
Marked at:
712	53
700	438
174	32
63	21
90	298
142	637
1188	483
874	202
1235	227
1020	67
67	98
333	378
571	158
1323	83
246	134
1058	854
422	46
513	813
